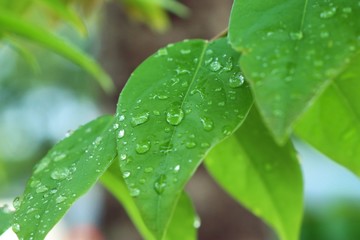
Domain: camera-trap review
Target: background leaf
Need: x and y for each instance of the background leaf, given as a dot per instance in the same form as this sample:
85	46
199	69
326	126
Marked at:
332	125
177	105
181	226
292	50
67	172
12	24
5	219
261	175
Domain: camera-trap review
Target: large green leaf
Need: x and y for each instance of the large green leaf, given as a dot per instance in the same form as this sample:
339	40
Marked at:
5	219
332	125
261	175
177	105
67	172
181	226
292	49
13	25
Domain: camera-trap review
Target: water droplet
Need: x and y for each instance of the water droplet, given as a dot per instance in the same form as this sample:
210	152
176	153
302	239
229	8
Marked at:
197	222
236	80
143	146
97	141
228	65
115	126
324	34
121	118
207	123
328	13
126	174
140	119
37	216
177	168
60	173
148	170
162	52
59	157
205	145
16	227
190	145
160	184
60	199
185	51
175	115
123	156
215	65
134	192
121	133
41	189
17	202
227	130
296	35
347	10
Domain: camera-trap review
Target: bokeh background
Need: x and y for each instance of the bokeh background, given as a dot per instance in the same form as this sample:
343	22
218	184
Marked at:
40	103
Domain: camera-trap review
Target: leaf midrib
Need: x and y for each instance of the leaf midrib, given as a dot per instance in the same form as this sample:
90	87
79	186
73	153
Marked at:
164	165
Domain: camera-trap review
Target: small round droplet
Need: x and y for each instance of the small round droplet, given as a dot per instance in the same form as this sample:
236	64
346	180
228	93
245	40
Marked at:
160	184
215	65
148	170
197	222
60	199
60	174
328	13
236	80
115	126
41	189
174	115
134	192
207	123
177	168
16	227
126	174
227	131
190	145
296	35
123	156
143	147
121	133
140	119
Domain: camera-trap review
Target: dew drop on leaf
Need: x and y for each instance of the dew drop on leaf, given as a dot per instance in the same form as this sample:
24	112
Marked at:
59	157
143	147
174	115
160	184
134	192
16	227
215	65
190	145
140	119
226	130
59	174
41	189
207	123
126	174
296	35
236	80
177	168
17	202
121	133
328	13
148	170
60	199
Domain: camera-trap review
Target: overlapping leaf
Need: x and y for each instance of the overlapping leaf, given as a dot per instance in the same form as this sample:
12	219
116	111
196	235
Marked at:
261	175
182	223
292	49
68	171
176	106
332	125
15	26
5	219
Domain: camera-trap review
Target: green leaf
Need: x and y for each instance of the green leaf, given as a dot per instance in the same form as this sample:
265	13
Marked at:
5	219
67	172
177	105
261	175
332	125
12	24
291	50
181	226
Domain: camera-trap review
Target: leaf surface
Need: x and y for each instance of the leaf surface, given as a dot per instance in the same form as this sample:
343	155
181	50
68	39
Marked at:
177	105
15	26
291	51
261	175
5	219
182	223
67	172
332	125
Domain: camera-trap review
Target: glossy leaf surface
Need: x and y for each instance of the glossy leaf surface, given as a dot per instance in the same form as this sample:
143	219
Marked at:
177	105
5	219
291	50
67	172
182	223
260	175
332	125
15	26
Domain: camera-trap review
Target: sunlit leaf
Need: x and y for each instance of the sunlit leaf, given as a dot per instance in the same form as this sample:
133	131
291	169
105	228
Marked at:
67	172
261	175
291	50
332	125
5	219
12	24
181	226
177	105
